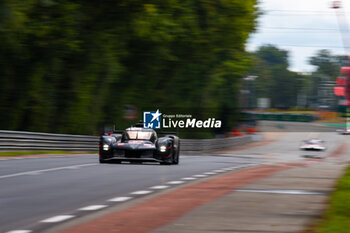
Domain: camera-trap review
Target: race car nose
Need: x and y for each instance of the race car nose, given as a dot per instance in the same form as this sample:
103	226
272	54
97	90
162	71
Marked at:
134	146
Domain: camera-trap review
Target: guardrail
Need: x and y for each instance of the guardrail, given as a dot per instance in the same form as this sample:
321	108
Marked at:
23	140
206	145
269	116
31	141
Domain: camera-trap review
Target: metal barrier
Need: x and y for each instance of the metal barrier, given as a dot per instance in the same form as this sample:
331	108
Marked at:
269	116
23	140
189	146
30	141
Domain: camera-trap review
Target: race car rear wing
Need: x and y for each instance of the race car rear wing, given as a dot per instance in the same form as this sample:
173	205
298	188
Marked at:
158	132
140	125
111	129
167	132
118	131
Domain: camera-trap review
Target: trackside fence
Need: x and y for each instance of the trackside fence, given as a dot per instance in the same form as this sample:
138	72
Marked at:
31	141
189	146
28	141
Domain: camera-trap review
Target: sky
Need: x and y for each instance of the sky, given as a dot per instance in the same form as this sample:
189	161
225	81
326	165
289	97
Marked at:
302	27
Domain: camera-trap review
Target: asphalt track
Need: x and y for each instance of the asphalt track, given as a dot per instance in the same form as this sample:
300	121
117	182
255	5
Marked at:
37	194
34	189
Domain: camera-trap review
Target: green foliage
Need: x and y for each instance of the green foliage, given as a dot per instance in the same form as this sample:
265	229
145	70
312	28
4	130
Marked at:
328	65
275	81
336	218
71	66
273	56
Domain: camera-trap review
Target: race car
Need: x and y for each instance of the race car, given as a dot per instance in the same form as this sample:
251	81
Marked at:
139	144
313	144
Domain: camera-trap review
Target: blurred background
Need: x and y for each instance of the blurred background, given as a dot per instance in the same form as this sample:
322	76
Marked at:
75	66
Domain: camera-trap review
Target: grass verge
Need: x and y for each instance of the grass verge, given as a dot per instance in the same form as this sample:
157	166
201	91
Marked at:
336	219
19	153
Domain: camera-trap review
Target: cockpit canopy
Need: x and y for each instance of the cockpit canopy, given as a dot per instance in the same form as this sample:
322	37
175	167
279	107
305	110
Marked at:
139	134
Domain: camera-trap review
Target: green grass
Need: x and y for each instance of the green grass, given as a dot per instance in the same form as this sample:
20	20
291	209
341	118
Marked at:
19	153
336	219
335	124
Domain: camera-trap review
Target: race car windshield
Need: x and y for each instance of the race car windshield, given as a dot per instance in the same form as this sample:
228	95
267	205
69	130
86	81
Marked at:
139	135
313	142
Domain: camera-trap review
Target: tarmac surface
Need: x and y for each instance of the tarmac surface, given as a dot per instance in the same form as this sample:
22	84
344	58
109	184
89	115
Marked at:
283	197
287	201
269	186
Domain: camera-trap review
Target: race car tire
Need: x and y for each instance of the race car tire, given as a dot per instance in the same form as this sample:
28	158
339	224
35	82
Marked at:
176	159
176	153
102	160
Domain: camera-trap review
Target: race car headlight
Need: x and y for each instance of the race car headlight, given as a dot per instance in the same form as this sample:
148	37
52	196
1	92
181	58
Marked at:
105	147
162	148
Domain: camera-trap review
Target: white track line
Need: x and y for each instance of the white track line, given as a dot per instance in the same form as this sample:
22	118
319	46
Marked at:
73	167
218	171
189	178
34	173
93	207
19	231
209	173
47	170
141	192
201	175
159	187
120	199
58	218
176	182
228	169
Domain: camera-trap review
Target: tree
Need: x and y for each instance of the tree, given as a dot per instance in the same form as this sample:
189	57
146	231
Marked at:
274	80
71	66
327	64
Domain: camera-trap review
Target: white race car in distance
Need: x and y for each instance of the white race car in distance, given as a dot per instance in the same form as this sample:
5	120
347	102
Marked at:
313	144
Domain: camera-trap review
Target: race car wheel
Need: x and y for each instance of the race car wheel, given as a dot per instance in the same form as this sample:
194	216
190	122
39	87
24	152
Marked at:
176	154
176	158
102	160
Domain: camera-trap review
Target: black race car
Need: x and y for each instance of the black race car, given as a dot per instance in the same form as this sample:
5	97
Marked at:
139	144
